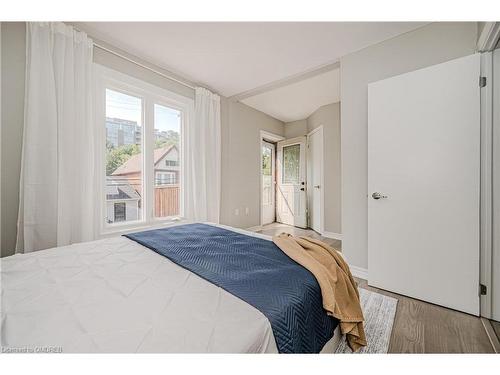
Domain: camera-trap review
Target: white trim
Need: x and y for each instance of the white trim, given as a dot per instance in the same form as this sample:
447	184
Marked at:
495	258
139	226
359	272
486	184
488	39
0	136
315	130
269	137
257	227
150	95
287	81
273	178
335	236
322	183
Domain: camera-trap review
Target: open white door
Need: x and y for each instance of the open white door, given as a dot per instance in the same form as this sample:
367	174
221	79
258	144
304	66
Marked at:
423	184
268	171
291	190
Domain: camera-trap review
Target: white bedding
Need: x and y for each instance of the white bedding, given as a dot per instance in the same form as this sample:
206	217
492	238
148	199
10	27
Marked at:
114	295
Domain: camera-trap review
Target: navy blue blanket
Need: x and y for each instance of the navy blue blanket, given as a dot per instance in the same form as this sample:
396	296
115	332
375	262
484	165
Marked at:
256	271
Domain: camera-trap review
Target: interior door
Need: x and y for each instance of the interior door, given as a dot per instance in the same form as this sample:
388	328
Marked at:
315	179
268	182
423	184
291	188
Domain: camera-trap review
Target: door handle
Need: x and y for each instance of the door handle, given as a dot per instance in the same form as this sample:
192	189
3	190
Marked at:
302	189
316	186
377	195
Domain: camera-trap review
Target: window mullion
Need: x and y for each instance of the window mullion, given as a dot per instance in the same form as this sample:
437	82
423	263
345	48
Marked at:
149	159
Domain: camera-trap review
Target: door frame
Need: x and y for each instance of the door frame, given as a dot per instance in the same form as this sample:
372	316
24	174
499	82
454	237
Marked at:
486	186
273	138
494	261
322	179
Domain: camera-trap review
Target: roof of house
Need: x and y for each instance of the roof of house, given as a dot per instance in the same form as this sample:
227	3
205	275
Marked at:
119	188
133	164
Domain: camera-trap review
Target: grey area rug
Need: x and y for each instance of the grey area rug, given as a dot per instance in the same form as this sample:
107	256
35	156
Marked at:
379	312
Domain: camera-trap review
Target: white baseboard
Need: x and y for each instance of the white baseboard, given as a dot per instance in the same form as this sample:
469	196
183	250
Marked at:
253	229
356	271
335	236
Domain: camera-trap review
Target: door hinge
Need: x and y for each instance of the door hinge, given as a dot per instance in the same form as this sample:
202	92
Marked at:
482	81
483	289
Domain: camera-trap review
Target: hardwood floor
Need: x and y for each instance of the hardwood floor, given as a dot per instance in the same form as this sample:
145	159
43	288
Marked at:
277	228
419	327
496	327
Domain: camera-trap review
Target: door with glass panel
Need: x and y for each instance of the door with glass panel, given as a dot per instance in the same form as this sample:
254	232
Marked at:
291	187
268	182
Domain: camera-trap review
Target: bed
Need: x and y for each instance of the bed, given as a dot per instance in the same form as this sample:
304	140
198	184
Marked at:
116	295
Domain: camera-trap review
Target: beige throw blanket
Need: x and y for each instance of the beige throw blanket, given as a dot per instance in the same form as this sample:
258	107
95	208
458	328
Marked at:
338	288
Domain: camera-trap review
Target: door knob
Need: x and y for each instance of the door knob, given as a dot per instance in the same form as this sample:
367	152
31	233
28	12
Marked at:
316	186
377	195
302	189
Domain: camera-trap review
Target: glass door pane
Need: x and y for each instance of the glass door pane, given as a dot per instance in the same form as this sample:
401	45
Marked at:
291	164
267	175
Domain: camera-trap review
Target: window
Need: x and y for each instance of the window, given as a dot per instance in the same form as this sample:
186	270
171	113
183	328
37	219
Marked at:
124	159
120	213
165	178
167	124
142	142
291	160
171	163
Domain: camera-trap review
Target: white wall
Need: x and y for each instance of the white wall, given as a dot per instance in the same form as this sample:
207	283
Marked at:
241	158
429	45
241	127
117	63
240	132
295	128
12	111
329	116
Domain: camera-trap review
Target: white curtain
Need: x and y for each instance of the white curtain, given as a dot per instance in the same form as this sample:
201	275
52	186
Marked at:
58	191
203	159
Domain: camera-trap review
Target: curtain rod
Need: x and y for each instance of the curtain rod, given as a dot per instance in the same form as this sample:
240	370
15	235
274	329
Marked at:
97	45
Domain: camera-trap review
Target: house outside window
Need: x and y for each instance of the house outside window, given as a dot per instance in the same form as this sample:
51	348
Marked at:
171	163
166	178
120	211
142	150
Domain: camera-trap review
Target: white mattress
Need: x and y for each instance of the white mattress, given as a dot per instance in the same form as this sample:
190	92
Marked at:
114	295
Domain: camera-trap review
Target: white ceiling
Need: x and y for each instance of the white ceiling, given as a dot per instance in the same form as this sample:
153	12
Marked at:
232	57
298	100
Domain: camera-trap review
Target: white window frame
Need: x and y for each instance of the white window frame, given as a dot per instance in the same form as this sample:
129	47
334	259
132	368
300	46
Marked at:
106	78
